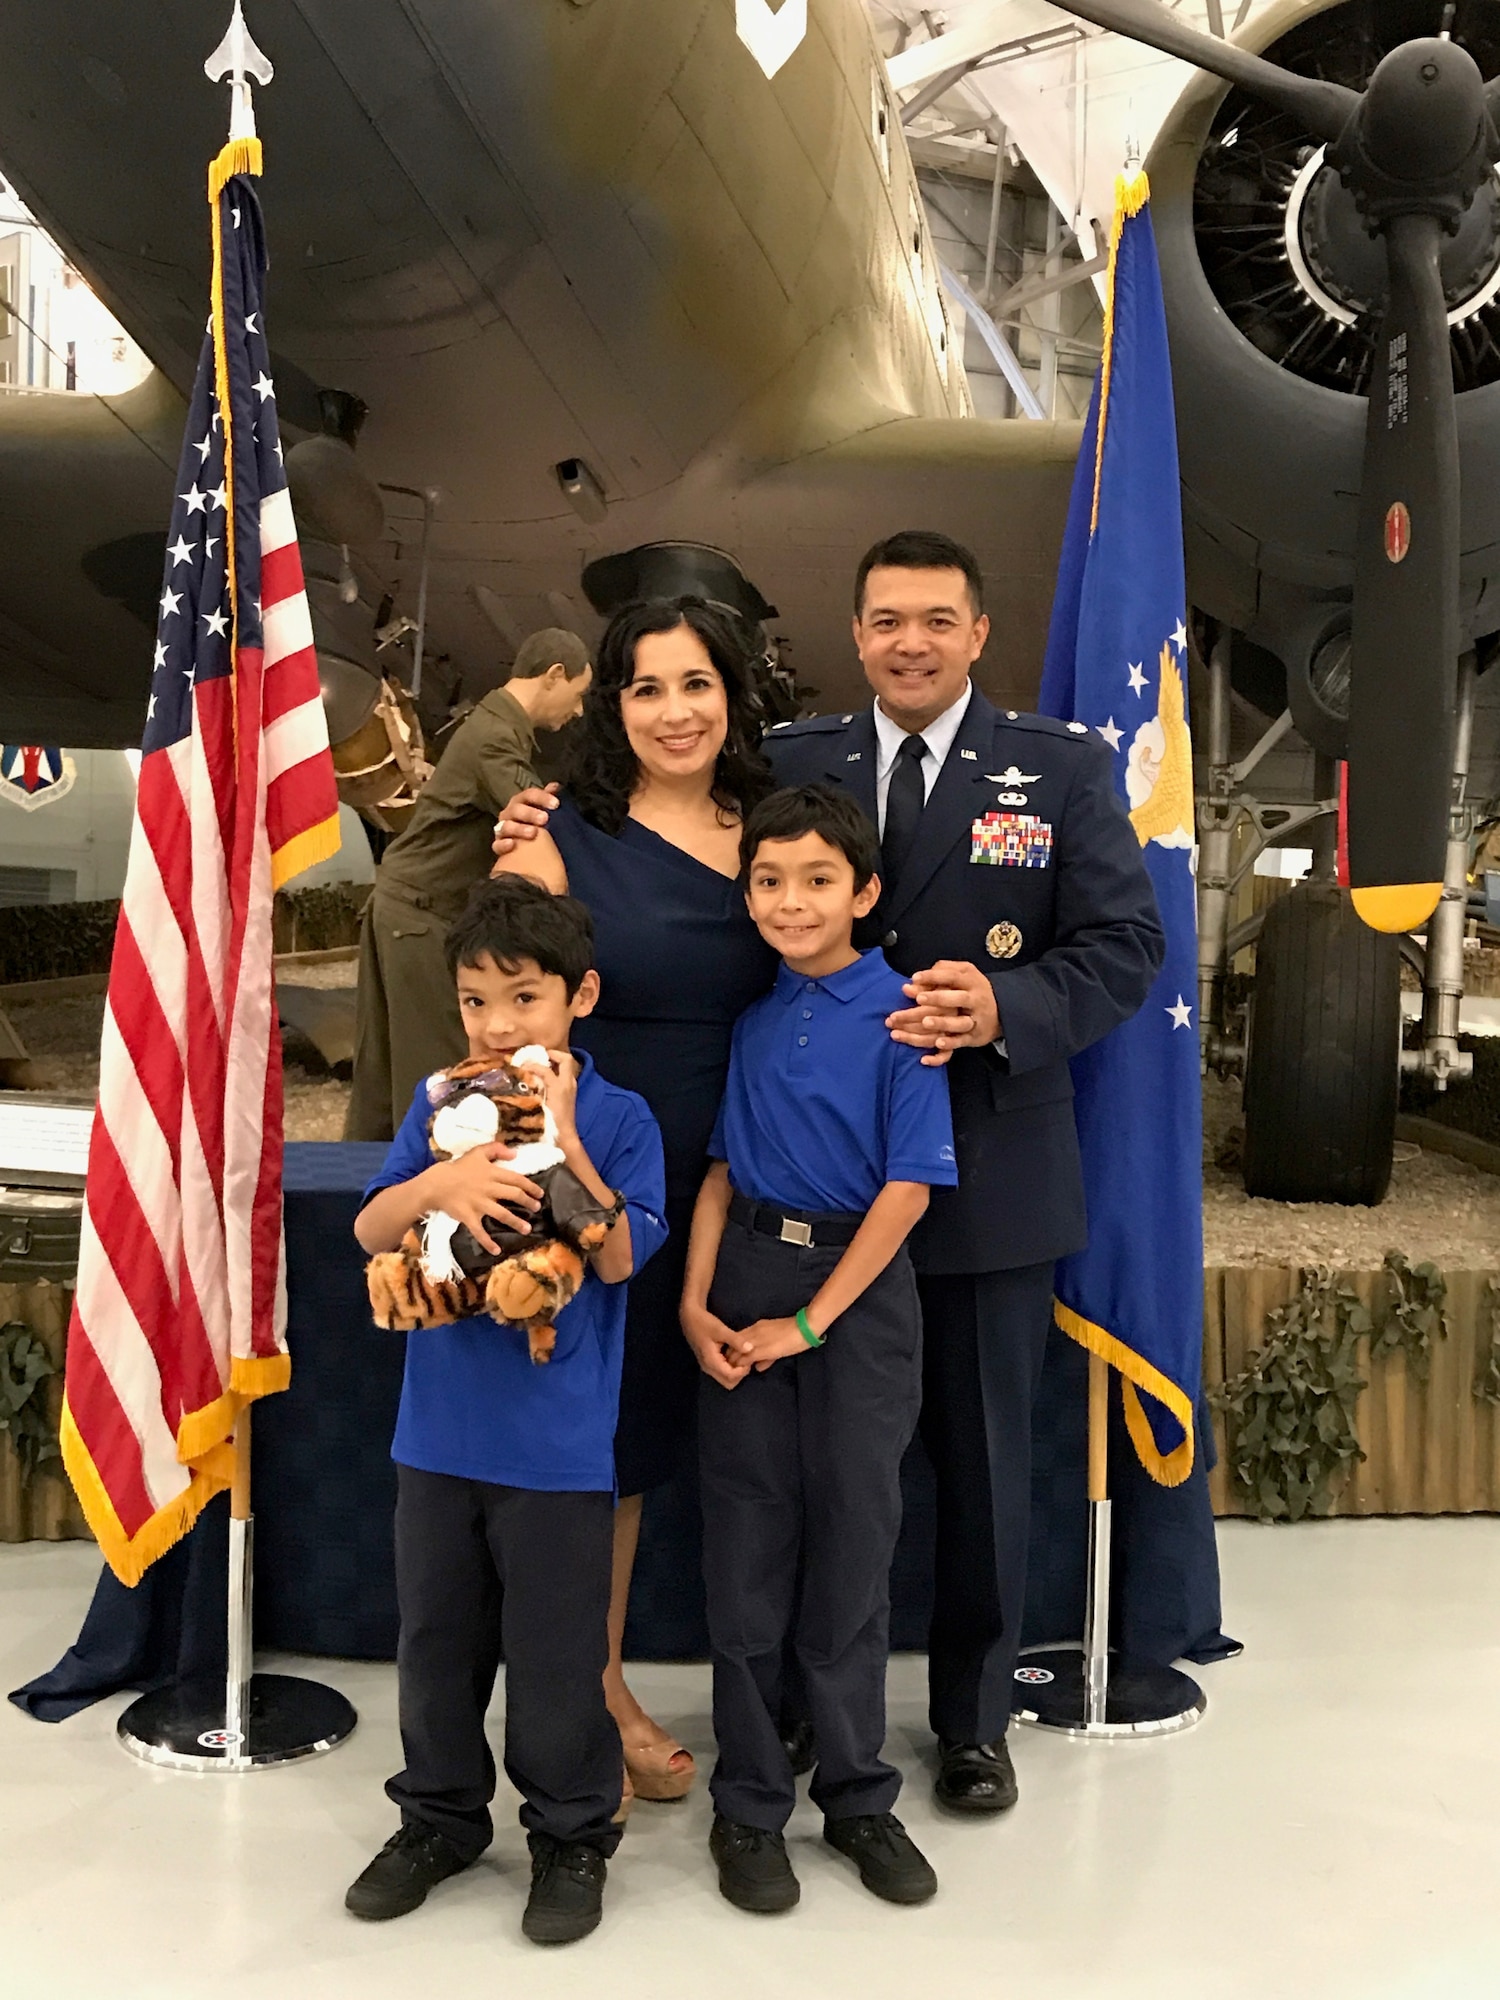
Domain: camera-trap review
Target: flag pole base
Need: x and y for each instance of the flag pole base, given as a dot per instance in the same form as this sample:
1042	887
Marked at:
182	1728
1052	1692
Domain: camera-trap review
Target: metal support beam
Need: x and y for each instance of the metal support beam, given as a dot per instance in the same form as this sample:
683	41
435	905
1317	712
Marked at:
997	189
1048	323
1032	289
995	341
934	89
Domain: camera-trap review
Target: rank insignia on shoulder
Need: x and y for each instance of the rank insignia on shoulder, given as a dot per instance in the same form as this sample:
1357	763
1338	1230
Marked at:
1011	840
1002	940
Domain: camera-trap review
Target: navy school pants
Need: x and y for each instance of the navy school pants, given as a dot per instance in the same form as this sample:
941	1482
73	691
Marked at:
481	1570
984	1338
801	1490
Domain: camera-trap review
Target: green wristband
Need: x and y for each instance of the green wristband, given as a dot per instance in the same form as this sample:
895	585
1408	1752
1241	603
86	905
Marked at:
804	1327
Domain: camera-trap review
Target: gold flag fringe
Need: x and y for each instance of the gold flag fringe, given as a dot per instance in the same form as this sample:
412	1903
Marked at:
1132	192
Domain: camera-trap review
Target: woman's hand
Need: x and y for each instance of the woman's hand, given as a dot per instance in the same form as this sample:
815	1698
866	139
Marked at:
767	1341
478	1186
707	1335
953	1007
523	817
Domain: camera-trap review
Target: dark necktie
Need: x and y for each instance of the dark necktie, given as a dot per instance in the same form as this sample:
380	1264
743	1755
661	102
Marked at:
903	809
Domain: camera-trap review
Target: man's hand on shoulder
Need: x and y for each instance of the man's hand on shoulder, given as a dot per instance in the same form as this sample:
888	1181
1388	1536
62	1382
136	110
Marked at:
953	1007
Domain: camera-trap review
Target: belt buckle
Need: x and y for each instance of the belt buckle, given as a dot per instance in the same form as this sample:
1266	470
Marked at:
796	1232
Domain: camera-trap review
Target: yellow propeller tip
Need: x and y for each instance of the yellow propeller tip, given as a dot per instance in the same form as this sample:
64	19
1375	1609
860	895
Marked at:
1399	906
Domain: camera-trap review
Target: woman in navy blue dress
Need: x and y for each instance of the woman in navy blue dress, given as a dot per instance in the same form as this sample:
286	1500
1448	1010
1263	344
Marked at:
647	835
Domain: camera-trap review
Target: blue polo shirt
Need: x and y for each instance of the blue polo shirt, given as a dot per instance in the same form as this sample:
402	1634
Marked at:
821	1107
473	1403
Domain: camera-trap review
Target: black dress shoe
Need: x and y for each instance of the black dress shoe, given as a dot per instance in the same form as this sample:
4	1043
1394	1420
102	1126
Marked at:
567	1890
412	1861
975	1777
890	1863
801	1751
754	1872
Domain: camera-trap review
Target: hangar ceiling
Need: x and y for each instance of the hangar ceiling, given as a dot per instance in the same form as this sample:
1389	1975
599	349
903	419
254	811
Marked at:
1068	96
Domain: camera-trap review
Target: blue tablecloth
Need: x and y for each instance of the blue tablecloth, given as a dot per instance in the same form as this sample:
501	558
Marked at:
324	1489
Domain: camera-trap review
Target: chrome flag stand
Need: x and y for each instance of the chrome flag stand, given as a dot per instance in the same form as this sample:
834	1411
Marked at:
253	1720
1083	1691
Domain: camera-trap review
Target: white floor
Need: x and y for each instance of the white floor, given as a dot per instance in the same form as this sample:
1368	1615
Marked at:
1332	1828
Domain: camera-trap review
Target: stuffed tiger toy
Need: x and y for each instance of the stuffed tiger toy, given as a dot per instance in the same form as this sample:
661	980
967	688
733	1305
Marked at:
441	1272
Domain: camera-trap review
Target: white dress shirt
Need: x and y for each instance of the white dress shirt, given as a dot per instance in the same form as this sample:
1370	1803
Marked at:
938	737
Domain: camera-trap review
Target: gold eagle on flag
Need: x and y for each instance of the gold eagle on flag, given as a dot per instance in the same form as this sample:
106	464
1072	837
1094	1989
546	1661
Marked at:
1159	770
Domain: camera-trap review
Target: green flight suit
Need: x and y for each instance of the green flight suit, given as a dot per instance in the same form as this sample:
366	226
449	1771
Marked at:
408	1022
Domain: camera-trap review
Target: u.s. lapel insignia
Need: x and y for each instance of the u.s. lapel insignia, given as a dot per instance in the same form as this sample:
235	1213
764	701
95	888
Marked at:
1002	940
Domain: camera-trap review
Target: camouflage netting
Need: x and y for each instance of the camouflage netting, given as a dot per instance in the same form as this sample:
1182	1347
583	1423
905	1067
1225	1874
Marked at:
62	940
319	919
55	940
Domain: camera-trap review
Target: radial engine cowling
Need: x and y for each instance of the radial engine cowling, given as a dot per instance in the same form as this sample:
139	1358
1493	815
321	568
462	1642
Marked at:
1274	290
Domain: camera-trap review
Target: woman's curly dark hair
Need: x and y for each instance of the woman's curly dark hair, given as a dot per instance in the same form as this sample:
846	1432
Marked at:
602	768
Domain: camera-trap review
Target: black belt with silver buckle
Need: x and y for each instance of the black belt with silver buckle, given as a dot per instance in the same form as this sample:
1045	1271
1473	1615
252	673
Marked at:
808	1232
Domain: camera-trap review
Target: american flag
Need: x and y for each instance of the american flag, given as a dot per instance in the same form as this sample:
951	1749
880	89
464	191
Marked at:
179	1315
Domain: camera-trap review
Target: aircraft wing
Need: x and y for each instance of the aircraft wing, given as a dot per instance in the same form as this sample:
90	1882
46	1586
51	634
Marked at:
85	491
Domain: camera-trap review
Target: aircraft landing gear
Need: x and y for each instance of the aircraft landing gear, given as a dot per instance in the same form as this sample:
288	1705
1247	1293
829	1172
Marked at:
1319	1041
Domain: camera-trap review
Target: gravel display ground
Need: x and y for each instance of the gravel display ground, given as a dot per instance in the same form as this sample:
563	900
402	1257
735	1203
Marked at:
1437	1207
62	1039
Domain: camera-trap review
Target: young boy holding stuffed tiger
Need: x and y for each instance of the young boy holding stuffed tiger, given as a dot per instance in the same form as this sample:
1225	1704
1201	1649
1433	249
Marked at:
505	1495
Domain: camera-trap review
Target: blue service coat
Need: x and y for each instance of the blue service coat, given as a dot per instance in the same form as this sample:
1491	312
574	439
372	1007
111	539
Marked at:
1024	849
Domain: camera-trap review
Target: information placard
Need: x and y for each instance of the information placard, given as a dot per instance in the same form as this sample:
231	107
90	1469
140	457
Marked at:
44	1141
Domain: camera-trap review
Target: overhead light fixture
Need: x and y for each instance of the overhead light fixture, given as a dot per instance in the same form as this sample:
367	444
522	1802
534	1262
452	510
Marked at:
581	489
771	37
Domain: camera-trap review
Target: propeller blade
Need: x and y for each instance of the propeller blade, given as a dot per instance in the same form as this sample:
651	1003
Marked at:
1323	108
1404	642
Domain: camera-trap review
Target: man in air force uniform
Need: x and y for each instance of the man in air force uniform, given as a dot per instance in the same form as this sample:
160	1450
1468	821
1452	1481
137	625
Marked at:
1015	898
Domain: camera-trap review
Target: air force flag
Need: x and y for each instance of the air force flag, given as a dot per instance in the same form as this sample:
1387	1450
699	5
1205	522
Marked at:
1117	661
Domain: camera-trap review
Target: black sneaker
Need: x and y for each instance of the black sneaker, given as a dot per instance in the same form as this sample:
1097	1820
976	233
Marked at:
754	1872
567	1890
890	1863
412	1861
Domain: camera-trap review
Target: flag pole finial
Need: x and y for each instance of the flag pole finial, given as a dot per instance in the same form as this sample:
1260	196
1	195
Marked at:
238	58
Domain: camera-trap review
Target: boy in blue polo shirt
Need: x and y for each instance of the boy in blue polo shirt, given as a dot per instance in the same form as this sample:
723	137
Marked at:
505	1470
801	1305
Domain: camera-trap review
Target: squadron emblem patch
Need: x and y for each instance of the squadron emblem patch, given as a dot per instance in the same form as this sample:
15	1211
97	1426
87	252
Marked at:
1002	940
1011	840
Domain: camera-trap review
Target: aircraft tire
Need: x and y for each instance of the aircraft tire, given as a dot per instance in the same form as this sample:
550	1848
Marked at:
1322	1072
